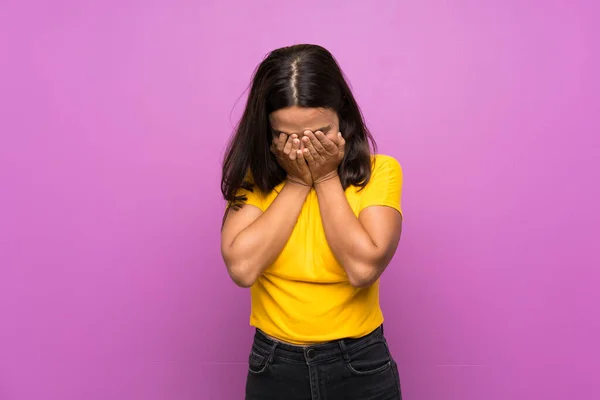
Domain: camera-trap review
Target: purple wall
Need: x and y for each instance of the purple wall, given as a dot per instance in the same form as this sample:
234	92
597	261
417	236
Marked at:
113	119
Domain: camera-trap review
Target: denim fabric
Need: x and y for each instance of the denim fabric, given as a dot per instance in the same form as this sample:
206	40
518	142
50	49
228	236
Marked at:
348	369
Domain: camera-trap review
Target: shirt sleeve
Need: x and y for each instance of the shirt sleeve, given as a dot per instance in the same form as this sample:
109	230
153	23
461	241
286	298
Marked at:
385	186
253	197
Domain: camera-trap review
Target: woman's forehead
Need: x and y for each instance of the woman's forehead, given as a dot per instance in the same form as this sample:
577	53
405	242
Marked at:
298	119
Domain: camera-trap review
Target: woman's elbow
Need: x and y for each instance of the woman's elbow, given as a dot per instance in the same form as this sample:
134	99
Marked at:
364	276
242	275
361	282
239	271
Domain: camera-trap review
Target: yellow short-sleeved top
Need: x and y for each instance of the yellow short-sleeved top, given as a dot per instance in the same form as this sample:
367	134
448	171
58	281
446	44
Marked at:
305	296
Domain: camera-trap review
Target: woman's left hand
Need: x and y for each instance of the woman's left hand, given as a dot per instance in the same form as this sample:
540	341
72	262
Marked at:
323	155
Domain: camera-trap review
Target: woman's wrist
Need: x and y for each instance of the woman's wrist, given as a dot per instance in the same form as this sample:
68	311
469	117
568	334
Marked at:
297	183
326	178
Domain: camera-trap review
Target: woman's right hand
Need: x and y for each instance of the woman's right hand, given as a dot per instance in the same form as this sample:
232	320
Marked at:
290	157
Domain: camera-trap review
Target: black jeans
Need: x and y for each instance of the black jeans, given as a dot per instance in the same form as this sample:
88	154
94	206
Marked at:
348	369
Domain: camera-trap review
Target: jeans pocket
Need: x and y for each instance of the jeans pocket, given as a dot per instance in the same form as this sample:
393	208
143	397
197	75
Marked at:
370	360
257	364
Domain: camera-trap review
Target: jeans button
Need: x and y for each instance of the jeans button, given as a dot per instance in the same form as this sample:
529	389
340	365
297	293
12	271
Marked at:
310	353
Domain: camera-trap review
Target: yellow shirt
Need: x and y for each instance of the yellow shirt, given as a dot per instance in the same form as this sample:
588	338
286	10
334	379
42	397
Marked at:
305	296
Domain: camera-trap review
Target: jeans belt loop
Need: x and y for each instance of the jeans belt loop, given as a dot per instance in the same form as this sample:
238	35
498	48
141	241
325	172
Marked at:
344	350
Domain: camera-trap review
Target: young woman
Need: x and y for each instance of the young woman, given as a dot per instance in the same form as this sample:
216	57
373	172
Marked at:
313	220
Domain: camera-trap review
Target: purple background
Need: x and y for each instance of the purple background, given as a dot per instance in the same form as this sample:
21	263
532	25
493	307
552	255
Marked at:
113	119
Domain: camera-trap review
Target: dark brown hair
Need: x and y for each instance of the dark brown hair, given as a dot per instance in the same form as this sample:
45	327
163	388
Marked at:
305	76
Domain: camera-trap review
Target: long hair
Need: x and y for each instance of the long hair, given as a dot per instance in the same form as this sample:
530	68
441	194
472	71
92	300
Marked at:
300	75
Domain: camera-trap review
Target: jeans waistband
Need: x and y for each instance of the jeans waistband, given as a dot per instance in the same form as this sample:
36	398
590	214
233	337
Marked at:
313	354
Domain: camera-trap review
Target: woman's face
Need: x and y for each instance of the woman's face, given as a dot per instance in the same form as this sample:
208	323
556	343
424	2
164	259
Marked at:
297	120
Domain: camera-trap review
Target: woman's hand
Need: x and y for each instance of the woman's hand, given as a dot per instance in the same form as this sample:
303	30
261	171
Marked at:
291	159
323	155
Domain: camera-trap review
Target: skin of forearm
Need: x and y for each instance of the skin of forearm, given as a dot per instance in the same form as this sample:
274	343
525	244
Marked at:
349	241
257	246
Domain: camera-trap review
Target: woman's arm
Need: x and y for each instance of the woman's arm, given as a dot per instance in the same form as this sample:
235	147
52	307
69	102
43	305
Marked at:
252	240
364	246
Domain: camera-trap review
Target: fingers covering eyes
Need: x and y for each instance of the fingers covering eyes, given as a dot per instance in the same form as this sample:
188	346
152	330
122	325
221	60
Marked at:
300	159
309	156
280	142
316	144
288	145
